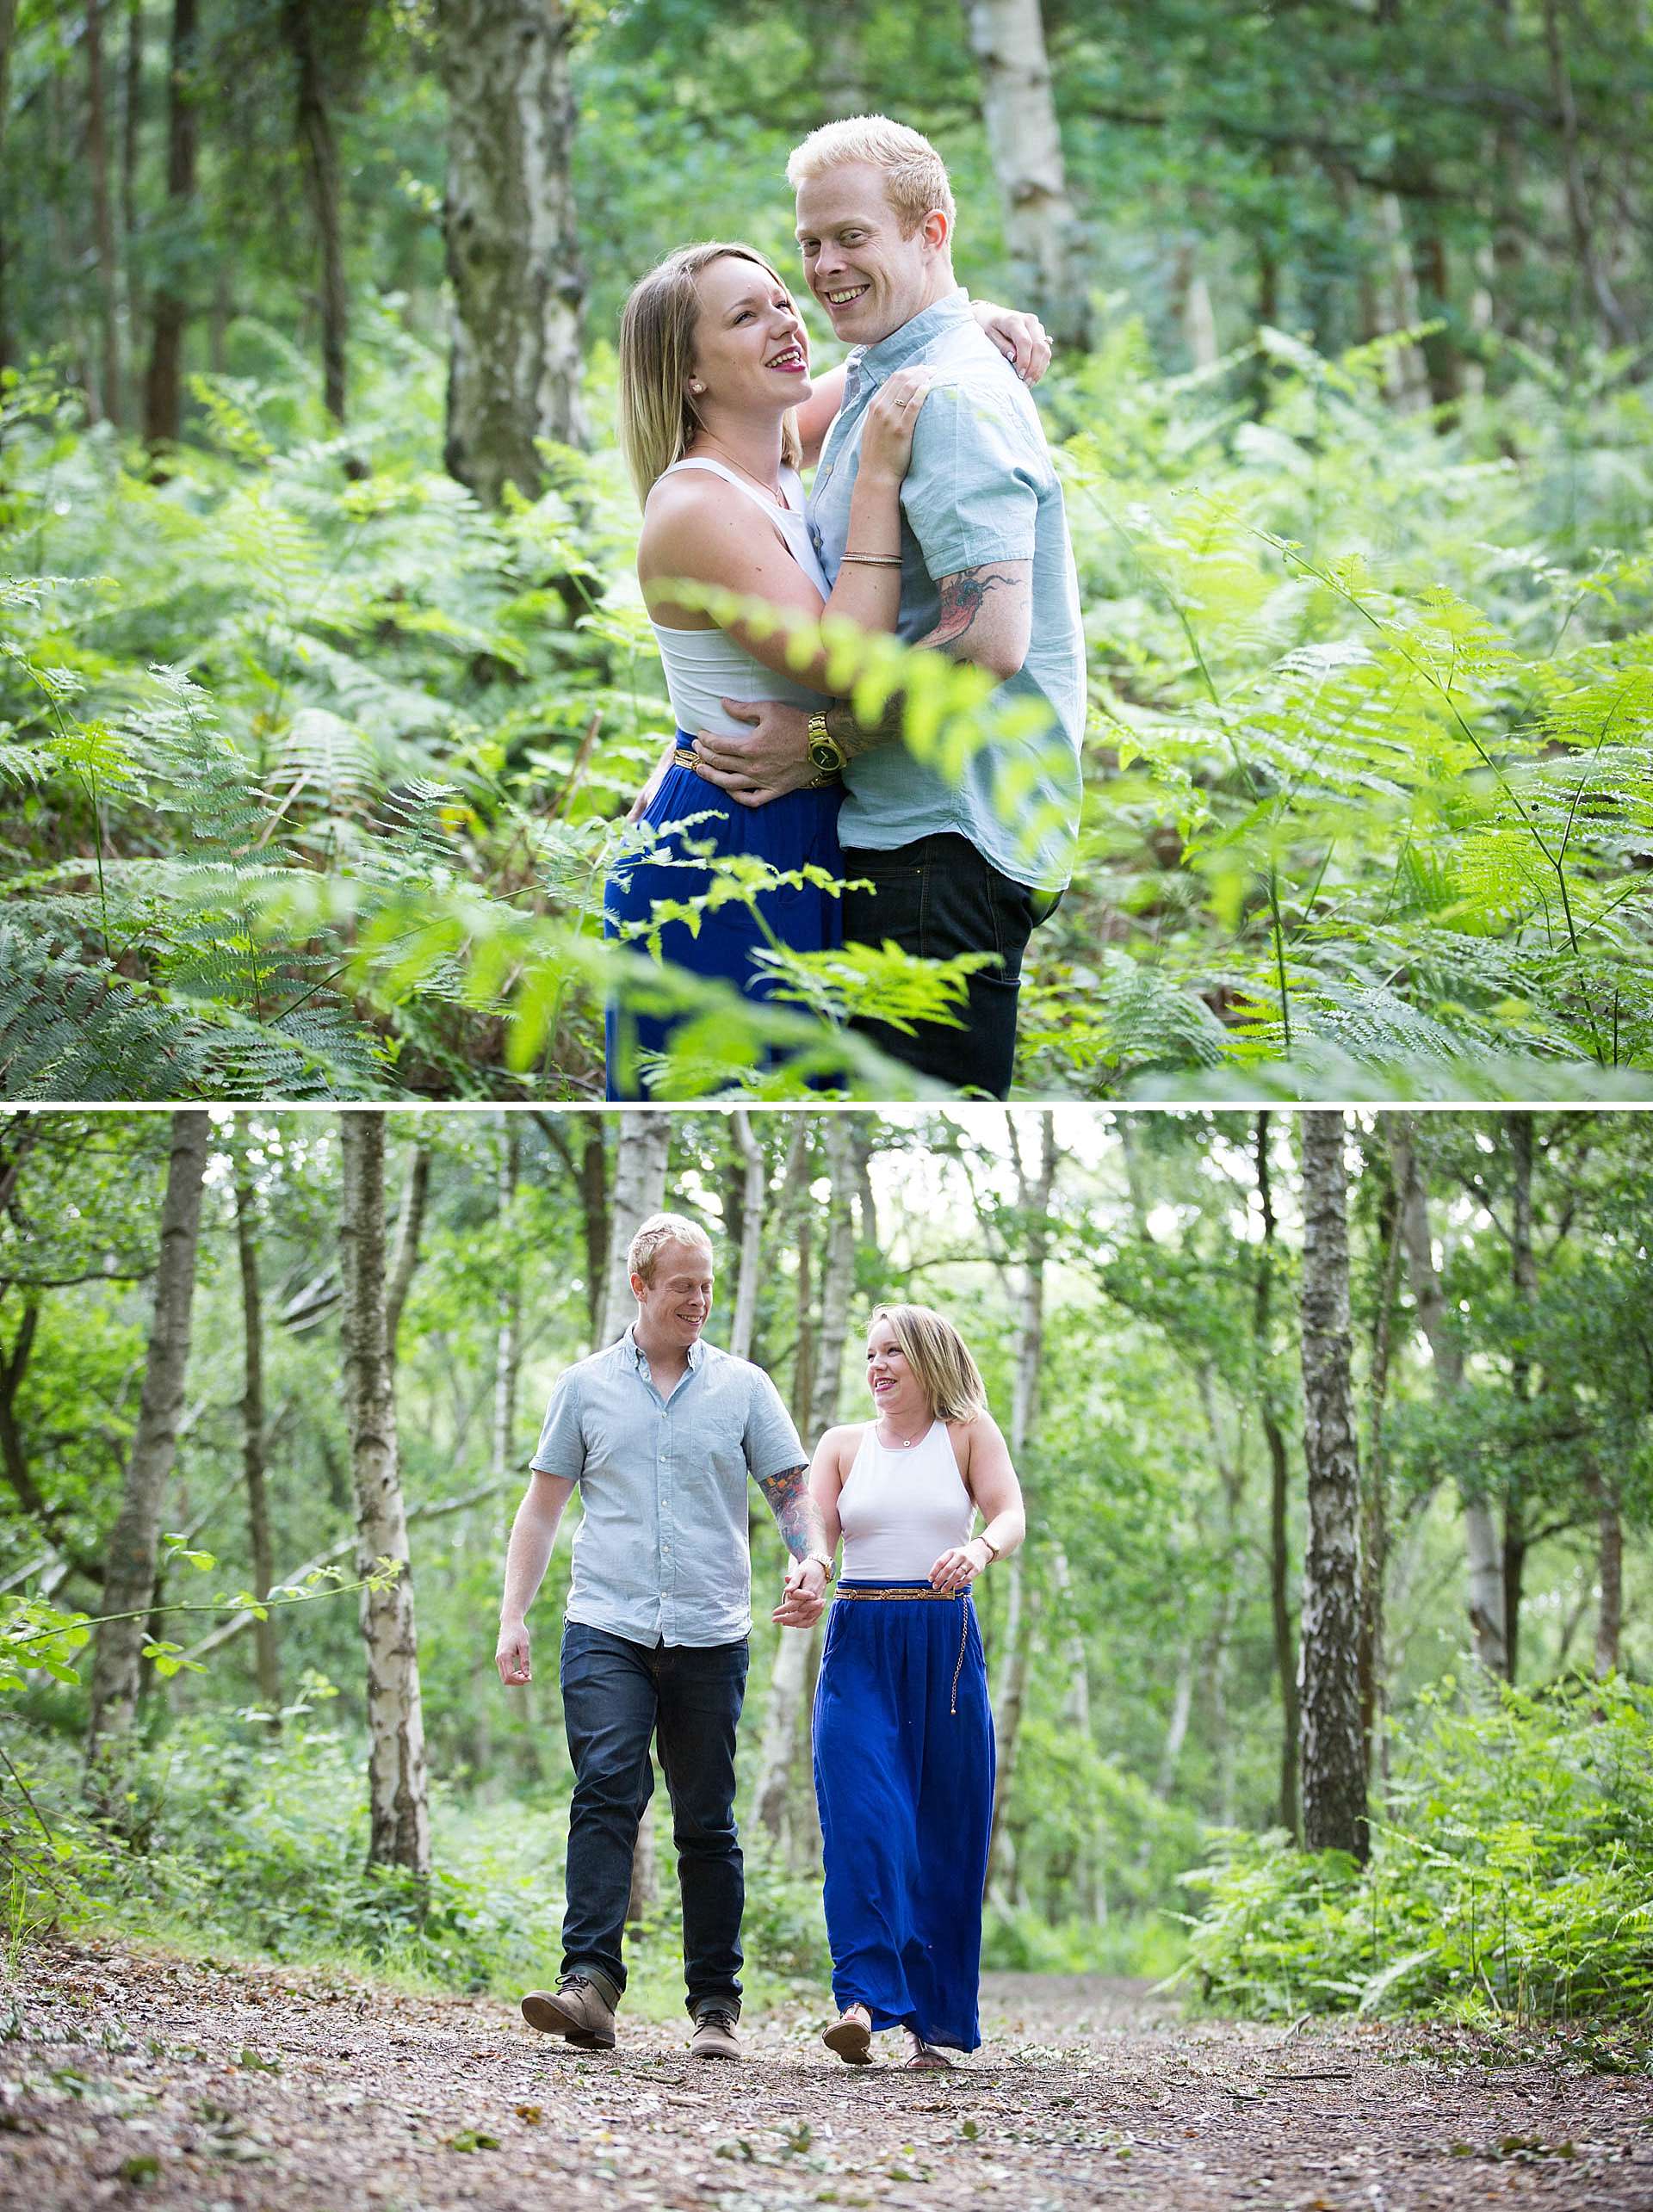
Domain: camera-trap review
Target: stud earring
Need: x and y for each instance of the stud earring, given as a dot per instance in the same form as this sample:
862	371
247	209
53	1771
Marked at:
695	388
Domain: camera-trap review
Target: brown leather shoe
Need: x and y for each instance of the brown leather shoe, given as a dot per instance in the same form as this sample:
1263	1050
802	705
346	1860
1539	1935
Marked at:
714	2036
579	2012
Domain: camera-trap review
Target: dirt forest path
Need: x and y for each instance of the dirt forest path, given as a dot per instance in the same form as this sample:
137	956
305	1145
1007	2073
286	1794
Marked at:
130	2079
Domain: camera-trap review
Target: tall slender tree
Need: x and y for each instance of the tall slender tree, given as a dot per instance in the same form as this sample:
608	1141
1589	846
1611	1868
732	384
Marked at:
164	382
398	1791
1333	1754
1286	1661
134	1550
1020	109
253	1430
512	251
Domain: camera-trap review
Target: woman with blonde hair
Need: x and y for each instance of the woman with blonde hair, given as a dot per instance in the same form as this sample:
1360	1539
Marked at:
718	412
904	1747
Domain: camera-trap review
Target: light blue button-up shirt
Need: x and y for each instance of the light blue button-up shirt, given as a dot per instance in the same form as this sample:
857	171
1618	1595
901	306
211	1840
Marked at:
980	488
660	1555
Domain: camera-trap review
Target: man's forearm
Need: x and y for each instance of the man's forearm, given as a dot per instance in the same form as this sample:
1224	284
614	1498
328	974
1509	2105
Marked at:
959	631
533	1536
796	1514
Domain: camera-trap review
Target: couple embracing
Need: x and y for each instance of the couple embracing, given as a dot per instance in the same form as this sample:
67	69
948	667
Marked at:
936	515
661	1432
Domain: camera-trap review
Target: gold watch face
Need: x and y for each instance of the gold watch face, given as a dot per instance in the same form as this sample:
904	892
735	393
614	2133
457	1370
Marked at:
826	755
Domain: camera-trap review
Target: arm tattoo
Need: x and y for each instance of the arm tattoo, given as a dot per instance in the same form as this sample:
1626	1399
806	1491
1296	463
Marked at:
796	1514
961	598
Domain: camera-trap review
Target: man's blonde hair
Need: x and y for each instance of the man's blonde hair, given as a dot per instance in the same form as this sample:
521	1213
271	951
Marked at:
915	175
658	415
658	1231
940	1361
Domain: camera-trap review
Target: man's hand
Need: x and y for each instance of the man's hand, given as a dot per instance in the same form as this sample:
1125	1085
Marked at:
804	1597
773	759
511	1655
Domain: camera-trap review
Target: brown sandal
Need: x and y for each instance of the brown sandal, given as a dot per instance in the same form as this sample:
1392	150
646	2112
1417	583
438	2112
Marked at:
851	2039
926	2059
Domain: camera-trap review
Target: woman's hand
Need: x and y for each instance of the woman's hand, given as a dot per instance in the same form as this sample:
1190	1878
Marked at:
645	799
958	1568
887	438
1021	338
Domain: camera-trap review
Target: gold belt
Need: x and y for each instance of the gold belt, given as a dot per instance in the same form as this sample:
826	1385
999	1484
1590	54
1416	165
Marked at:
946	1597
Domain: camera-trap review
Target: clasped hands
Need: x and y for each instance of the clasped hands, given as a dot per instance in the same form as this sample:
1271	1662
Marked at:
804	1598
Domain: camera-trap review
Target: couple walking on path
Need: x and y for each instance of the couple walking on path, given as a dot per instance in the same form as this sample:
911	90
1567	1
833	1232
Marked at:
935	515
661	1432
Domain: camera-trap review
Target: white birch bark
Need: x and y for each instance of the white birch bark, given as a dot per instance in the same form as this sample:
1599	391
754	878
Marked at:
510	228
754	1180
1482	1540
398	1795
638	1190
1007	39
507	1347
1333	1764
129	1569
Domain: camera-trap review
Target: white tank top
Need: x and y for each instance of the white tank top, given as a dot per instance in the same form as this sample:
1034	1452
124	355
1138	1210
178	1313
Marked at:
899	1510
705	667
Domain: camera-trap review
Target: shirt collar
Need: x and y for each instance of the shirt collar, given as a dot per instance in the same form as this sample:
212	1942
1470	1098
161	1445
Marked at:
640	1358
876	362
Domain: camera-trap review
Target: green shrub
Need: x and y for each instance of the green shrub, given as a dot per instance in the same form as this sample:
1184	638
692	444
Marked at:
1515	1877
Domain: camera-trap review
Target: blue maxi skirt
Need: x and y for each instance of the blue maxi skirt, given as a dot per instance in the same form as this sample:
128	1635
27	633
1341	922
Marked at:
904	1767
795	830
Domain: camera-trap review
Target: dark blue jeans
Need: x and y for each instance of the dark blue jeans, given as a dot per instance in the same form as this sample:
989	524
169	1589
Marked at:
936	898
616	1696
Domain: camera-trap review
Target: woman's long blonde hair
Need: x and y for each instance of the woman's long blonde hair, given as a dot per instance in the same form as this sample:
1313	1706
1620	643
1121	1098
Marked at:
940	1361
657	419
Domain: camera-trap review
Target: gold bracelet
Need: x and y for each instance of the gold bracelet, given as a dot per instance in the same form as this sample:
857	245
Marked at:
992	1548
873	560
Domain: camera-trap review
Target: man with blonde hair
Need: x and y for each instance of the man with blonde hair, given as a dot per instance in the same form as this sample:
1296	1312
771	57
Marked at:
660	1431
967	861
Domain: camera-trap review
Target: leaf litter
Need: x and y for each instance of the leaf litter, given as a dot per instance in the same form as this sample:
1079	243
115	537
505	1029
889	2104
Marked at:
136	2078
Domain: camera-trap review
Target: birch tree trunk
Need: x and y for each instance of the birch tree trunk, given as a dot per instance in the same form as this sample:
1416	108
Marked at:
507	1352
638	1191
398	1795
1035	1194
164	382
594	1206
1286	1661
129	1569
1523	1275
1374	1511
1007	39
754	1177
410	1228
1334	1760
508	222
789	1677
1482	1542
1610	1575
97	164
252	1438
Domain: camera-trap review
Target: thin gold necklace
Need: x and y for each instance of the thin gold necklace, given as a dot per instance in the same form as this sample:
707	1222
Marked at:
906	1443
773	490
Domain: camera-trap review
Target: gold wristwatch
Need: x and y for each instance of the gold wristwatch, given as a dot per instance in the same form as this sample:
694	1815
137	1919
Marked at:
825	751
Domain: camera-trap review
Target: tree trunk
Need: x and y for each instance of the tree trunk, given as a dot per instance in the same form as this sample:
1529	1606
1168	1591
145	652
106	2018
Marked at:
1035	1194
1524	1273
754	1176
783	1716
163	384
1333	1761
594	1210
507	1353
638	1191
1620	328
1007	39
509	222
1482	1544
398	1796
410	1228
1374	1514
8	27
132	116
1610	1574
252	1438
98	164
129	1574
1285	1657
313	123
